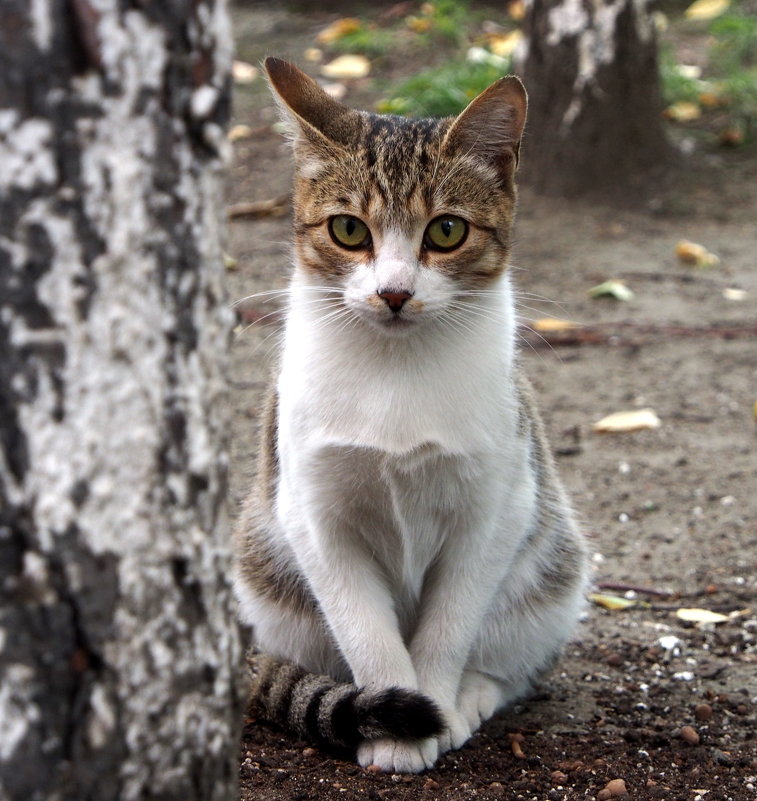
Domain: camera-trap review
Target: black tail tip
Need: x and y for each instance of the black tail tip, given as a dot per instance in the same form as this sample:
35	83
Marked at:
398	712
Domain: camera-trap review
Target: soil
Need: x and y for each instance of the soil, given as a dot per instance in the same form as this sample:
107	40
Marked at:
666	706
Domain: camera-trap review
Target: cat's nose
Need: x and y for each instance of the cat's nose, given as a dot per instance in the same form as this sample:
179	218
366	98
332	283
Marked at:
394	300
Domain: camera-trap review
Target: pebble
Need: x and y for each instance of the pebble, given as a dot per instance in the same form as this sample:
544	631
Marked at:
430	784
614	660
373	769
616	788
690	735
308	752
702	711
558	777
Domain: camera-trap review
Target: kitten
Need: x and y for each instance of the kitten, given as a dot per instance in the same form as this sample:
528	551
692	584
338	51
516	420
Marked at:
406	558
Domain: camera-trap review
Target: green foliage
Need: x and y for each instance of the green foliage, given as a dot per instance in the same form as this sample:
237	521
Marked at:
368	41
730	77
677	85
443	91
448	18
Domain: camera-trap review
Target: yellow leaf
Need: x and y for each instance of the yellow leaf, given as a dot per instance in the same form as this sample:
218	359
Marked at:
337	30
516	10
692	253
313	54
418	24
620	422
706	9
550	324
237	132
683	111
504	44
693	615
611	602
347	66
242	72
754	410
611	289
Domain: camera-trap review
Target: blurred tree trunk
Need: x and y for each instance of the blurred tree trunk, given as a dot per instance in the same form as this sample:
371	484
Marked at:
118	649
590	67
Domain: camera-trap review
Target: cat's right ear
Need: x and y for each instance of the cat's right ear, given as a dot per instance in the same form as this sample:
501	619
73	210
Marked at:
308	112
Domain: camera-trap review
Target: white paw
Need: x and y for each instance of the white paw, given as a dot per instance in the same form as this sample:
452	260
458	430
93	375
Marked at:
479	698
398	756
456	732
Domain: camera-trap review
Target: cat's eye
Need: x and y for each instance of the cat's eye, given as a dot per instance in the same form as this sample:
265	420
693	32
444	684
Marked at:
349	231
445	233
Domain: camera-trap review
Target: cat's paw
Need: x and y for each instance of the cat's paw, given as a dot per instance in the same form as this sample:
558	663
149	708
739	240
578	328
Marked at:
456	733
479	698
398	756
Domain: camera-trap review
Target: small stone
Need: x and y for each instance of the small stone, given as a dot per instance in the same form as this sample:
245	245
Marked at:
497	787
373	769
431	784
614	660
308	752
616	788
702	711
558	777
690	735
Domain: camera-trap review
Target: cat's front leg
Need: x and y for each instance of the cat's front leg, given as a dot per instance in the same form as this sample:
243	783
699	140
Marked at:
456	597
399	756
358	609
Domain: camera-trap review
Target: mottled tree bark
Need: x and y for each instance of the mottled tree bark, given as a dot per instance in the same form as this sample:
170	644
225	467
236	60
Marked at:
118	649
590	67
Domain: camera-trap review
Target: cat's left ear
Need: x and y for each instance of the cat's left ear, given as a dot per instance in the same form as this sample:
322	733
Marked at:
492	125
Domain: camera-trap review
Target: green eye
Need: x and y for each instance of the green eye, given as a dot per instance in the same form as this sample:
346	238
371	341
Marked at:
349	232
445	233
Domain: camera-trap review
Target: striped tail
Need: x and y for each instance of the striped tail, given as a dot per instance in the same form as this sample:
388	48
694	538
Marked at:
335	714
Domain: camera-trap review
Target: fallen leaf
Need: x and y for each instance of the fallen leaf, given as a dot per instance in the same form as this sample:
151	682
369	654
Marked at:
694	615
504	44
731	137
229	262
712	99
621	422
337	30
516	10
611	289
551	324
611	602
313	54
692	253
242	72
418	24
706	9
347	66
754	410
683	111
237	132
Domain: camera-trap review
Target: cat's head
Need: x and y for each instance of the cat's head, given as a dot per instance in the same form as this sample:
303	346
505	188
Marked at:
403	216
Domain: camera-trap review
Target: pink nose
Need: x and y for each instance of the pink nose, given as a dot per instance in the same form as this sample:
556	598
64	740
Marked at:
395	300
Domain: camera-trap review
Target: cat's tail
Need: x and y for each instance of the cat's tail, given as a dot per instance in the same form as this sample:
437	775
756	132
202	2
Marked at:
336	714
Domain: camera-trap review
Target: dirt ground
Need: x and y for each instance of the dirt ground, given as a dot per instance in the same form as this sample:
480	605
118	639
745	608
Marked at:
667	706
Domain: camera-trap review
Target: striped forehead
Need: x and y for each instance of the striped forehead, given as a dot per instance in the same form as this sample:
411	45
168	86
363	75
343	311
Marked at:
399	157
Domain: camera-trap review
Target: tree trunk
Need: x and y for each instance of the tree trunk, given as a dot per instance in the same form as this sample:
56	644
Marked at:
590	67
118	649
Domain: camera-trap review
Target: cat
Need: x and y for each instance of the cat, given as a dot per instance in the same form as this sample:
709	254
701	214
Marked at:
407	557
